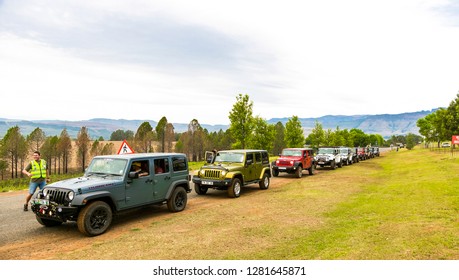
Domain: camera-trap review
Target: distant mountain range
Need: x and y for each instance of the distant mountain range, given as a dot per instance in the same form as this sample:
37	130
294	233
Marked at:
386	125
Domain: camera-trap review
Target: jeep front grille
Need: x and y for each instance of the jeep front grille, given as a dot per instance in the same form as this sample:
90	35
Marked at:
284	162
58	196
212	174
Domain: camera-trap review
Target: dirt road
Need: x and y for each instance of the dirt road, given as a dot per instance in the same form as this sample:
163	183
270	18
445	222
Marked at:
23	238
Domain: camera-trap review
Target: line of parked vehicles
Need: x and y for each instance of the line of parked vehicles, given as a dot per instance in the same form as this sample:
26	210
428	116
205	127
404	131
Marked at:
115	183
295	160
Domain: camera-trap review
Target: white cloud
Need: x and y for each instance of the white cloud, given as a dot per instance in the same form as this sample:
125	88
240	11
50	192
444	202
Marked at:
189	59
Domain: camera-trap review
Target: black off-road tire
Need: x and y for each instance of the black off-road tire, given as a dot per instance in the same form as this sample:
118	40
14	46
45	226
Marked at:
48	222
264	183
234	190
275	172
199	189
177	201
299	172
311	169
95	218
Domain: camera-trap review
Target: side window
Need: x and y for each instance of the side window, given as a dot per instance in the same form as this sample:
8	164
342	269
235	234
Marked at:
161	165
140	167
179	164
258	157
249	157
265	158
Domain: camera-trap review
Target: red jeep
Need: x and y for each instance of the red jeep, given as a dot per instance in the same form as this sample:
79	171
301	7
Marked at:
293	161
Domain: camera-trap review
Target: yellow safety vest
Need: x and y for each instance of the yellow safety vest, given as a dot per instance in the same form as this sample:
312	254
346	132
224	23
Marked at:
38	169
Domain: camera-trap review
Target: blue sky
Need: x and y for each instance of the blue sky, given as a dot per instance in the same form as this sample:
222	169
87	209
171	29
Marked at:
76	60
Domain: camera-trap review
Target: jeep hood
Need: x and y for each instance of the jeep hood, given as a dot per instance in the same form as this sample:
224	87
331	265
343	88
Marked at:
223	166
84	183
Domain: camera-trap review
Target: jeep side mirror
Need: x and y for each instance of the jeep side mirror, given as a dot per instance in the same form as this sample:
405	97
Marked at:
133	175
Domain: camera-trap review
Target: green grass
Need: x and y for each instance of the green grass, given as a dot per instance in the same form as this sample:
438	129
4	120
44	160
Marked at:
23	183
408	210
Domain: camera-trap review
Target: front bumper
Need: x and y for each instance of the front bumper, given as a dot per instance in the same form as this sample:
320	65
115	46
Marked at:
288	169
212	183
45	208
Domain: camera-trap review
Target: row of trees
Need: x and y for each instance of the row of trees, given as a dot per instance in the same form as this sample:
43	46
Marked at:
15	150
245	131
441	124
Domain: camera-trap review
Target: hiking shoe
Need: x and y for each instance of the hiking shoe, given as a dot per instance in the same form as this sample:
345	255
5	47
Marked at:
25	207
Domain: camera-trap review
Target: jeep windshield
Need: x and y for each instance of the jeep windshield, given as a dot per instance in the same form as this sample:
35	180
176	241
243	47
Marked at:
326	151
290	153
107	166
229	157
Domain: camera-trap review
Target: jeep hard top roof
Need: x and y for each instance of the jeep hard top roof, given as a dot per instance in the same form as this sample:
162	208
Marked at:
242	151
140	155
298	149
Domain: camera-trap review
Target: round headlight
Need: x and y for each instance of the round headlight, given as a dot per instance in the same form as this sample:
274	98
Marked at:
223	173
201	172
45	192
70	195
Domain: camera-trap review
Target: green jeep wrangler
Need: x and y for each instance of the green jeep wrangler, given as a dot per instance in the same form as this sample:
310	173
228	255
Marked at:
232	169
112	184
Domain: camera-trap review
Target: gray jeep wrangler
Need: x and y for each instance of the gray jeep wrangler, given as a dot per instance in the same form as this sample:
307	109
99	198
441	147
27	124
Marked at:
230	170
112	184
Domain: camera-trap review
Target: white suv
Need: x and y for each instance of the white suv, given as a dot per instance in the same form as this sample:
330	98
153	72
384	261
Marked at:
328	156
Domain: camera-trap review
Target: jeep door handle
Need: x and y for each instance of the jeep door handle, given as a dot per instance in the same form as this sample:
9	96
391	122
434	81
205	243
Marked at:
149	181
166	178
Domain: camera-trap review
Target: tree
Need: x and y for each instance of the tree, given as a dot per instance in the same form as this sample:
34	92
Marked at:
279	142
161	133
169	137
95	148
263	135
14	149
108	149
3	167
143	138
120	135
317	136
194	139
50	152
83	142
427	129
411	141
359	137
64	146
294	135
241	120
36	139
337	138
452	118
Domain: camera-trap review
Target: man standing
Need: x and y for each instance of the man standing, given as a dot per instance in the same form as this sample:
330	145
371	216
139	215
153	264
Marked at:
39	175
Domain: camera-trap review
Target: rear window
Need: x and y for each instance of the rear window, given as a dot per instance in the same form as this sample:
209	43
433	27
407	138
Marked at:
265	157
179	164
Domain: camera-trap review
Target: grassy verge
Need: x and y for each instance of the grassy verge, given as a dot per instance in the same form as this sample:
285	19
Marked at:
23	183
407	209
